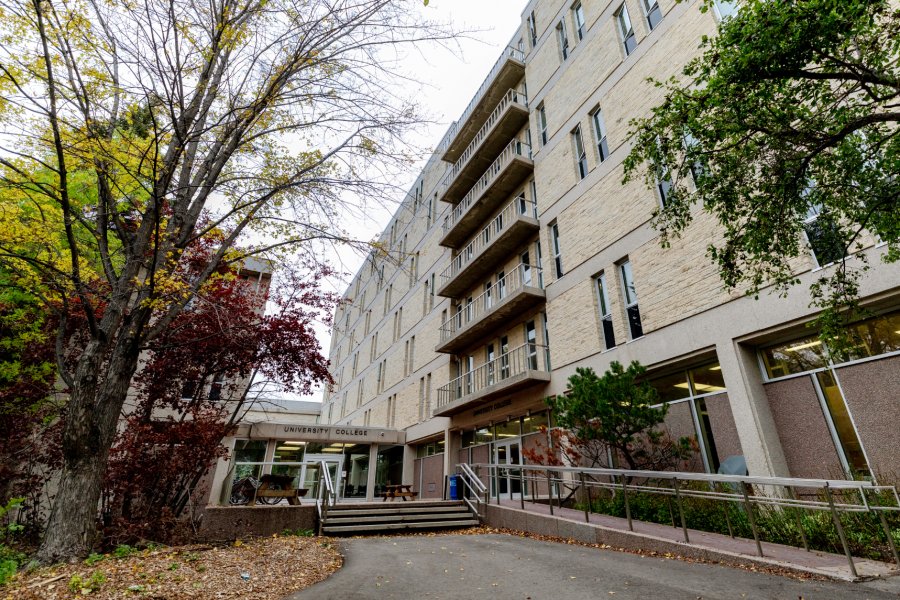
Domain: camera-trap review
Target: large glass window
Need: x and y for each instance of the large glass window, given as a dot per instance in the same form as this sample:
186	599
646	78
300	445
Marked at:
535	423
694	386
248	451
507	430
555	248
799	356
542	124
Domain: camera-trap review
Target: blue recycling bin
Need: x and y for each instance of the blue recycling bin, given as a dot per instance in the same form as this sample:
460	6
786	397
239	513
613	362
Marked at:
454	488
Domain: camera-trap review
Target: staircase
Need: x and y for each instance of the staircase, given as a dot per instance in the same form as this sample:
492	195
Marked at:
349	519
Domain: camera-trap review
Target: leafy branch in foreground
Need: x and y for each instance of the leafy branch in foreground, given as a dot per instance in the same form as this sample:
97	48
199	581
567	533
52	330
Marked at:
786	130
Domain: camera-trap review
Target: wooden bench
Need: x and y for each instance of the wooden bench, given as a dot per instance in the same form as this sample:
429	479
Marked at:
278	486
398	491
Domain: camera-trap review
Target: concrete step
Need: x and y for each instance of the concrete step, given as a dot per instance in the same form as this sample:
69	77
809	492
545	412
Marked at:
456	515
364	512
394	504
335	529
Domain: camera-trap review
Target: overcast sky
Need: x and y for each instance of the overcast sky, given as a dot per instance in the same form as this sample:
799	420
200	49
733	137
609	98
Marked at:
448	78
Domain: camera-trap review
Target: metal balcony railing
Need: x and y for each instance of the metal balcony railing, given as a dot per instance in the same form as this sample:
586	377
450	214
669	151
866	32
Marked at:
513	149
499	224
508	52
511	283
514	364
512	96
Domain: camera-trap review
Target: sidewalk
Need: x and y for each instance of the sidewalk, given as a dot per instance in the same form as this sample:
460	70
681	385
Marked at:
613	531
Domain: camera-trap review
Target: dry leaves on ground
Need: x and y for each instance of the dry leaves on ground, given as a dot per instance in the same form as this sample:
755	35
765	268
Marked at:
269	568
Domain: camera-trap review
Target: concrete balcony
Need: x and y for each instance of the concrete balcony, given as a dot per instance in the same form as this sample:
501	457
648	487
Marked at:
518	292
507	118
496	242
500	180
519	368
505	74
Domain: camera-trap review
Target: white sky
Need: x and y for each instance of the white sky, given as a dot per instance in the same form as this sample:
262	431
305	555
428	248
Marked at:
448	80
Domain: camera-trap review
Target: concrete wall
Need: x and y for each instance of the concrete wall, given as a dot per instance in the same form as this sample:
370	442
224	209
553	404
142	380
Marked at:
805	438
872	393
226	523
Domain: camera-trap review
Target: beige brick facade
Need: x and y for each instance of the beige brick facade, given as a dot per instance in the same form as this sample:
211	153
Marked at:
686	315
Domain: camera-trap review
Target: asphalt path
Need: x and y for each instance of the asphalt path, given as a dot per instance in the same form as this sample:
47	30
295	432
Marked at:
501	567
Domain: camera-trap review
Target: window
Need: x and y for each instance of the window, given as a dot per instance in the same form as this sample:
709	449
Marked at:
600	135
631	300
626	31
501	285
542	124
578	18
526	269
555	250
531	354
431	292
580	155
355	363
532	29
824	236
489	357
726	8
654	15
373	351
562	38
504	357
606	323
663	186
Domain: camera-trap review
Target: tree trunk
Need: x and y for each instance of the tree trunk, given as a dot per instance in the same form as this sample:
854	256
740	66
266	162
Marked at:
91	422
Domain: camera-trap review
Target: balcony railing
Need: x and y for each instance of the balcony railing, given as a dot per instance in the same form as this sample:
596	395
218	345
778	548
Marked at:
515	148
511	283
513	366
508	52
499	224
512	96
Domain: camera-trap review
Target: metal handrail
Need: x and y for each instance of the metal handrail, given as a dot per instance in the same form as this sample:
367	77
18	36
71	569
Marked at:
504	219
508	52
512	282
476	481
628	481
516	362
326	489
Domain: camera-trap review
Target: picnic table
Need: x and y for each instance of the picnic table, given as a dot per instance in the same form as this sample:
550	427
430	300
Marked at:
273	488
402	491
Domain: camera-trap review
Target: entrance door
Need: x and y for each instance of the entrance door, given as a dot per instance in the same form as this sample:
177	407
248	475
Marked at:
311	476
507	484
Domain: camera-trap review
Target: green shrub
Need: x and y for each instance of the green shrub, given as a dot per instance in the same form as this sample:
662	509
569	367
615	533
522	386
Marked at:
79	585
124	551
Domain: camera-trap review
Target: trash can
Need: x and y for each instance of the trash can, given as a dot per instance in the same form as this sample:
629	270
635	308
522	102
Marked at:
454	489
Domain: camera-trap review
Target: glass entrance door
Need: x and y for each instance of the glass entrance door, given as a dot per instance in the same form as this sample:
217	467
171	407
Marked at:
311	476
507	483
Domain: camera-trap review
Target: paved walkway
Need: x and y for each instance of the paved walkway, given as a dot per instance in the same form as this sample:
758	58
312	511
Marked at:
823	563
501	567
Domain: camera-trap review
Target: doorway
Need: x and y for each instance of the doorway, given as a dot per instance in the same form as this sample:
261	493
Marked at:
507	483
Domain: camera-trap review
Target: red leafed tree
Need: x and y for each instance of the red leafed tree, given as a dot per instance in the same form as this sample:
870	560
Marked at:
195	385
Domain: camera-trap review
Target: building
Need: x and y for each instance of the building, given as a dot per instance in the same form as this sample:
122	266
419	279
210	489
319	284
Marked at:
519	256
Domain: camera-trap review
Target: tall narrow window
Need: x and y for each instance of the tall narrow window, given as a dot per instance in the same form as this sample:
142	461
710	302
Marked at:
600	135
631	300
526	269
626	31
606	324
532	29
824	236
501	285
555	250
578	17
504	357
489	356
562	38
580	154
537	253
542	124
431	293
531	358
726	8
651	10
